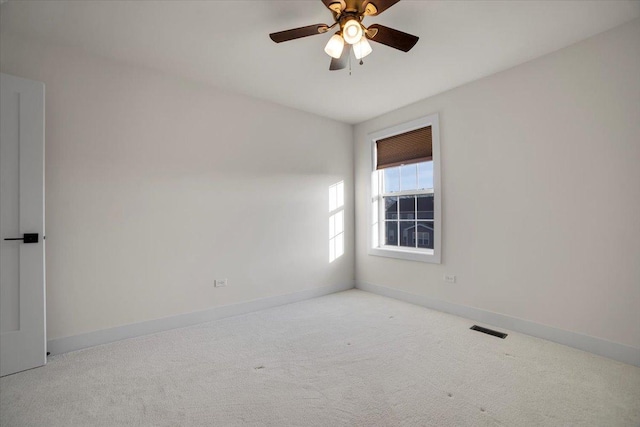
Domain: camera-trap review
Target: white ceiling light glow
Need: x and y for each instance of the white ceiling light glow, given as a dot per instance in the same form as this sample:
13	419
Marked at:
334	46
352	31
362	48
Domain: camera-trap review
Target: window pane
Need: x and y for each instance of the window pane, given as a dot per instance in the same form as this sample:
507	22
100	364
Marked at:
408	207
391	179
425	175
391	233
408	177
407	234
425	234
425	206
391	207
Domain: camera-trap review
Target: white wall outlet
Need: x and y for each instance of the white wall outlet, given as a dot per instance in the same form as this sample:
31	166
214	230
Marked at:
450	278
220	283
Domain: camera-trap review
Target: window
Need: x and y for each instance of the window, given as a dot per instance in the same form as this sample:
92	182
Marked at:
336	221
405	191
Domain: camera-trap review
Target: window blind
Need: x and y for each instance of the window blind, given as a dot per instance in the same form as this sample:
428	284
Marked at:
406	148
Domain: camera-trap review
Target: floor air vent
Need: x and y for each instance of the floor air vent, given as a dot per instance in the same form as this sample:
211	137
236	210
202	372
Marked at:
489	331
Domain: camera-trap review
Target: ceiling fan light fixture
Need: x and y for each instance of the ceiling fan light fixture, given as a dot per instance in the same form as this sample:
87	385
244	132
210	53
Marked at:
352	31
362	48
334	46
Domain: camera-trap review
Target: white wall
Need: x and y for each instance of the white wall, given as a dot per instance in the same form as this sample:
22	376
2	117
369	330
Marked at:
541	191
156	186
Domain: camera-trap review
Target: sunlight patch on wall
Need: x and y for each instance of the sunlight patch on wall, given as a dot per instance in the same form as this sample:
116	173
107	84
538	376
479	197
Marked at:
336	221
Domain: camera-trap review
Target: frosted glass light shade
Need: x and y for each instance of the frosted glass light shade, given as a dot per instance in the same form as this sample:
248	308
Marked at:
352	31
362	48
334	46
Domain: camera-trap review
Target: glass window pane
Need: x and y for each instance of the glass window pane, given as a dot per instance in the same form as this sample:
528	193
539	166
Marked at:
407	234
391	233
391	179
425	234
391	207
408	207
408	177
425	206
425	175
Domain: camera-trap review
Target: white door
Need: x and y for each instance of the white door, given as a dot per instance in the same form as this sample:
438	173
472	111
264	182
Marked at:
22	294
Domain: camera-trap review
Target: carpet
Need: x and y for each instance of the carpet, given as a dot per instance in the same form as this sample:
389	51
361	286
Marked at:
346	359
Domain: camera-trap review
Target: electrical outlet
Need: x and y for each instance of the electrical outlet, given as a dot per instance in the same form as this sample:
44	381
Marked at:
220	283
450	278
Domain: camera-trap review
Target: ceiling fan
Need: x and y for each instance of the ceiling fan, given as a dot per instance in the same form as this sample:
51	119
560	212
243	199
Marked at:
352	34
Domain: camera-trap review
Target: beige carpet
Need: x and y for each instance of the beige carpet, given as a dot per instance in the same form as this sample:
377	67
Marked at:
351	358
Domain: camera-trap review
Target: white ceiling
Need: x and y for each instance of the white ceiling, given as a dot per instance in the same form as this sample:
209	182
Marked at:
226	44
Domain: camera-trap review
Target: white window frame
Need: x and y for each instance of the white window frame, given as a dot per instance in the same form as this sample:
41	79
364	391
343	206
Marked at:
376	216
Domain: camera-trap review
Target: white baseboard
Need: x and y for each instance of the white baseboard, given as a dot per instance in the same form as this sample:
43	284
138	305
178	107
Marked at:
90	339
601	347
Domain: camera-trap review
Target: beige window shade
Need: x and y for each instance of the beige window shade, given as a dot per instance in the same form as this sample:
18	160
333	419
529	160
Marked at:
411	147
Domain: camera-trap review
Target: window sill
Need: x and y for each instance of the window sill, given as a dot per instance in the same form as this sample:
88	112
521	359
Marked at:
428	256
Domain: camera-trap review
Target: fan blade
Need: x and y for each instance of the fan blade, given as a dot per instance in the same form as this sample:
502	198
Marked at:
376	7
296	33
336	6
340	63
392	38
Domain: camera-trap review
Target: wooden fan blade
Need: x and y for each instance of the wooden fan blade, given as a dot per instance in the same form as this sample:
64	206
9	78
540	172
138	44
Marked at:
296	33
340	63
335	6
376	7
392	38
